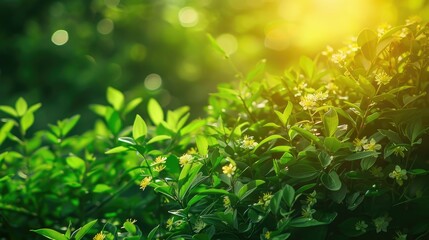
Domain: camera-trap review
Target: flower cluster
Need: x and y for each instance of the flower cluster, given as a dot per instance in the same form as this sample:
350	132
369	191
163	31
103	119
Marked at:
312	100
229	169
381	223
159	164
145	182
364	144
382	78
265	199
399	175
248	143
361	226
185	159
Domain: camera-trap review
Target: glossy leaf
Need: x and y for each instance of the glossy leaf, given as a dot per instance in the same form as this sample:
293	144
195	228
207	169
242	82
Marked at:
139	128
155	111
115	98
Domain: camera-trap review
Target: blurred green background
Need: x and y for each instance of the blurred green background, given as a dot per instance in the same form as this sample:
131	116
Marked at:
65	53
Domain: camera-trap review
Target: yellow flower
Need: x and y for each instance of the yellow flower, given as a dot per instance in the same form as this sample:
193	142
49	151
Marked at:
399	175
361	226
99	236
248	143
339	57
308	102
226	202
359	143
159	168
229	169
159	160
185	159
145	182
267	235
382	78
170	224
372	145
381	223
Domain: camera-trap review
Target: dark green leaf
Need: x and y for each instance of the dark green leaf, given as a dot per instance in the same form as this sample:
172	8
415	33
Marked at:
84	230
331	181
361	155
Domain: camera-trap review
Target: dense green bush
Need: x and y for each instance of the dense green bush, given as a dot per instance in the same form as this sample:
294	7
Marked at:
332	149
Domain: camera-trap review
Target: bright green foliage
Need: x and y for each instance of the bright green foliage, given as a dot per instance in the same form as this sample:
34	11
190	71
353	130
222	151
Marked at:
332	149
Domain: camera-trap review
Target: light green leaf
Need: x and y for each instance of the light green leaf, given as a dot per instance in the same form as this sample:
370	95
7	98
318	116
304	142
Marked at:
5	129
267	139
68	124
330	121
361	155
76	163
332	144
139	128
115	98
132	105
284	117
216	46
306	134
84	230
26	121
257	70
367	41
158	138
50	233
100	188
21	106
155	112
116	150
152	233
307	66
248	188
34	108
9	110
202	145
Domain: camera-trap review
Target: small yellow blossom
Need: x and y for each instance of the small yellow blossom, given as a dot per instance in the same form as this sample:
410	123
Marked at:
331	87
308	102
192	151
226	202
99	236
185	159
399	175
311	199
377	172
328	51
159	168
248	143
267	235
359	143
382	78
199	225
339	57
361	226
372	145
145	182
170	224
320	96
399	151
159	160
307	212
229	169
381	223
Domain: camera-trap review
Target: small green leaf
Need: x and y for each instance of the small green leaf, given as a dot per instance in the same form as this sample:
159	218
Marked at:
132	105
307	65
331	181
9	110
361	155
276	201
76	163
68	124
130	227
116	150
158	138
155	112
152	233
330	121
418	171
115	98
306	134
84	230
26	121
325	159
288	195
50	233
269	138
248	188
302	170
216	46
332	144
21	106
367	163
202	145
367	41
139	128
257	70
100	188
284	117
5	129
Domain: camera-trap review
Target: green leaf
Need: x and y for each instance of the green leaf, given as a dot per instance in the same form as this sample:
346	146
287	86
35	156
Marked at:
152	233
216	46
307	65
100	188
34	108
9	110
68	124
116	150
26	121
367	86
21	106
248	188
139	128
367	41
330	121
257	70
367	163
418	171
115	98
288	195
325	159
132	105
269	138
50	233
331	181
113	120
302	170
374	116
5	129
84	230
155	112
332	144
202	145
158	138
76	163
276	201
284	117
130	228
305	133
361	155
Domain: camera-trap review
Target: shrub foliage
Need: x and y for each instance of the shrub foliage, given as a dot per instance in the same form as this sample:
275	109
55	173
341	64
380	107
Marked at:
334	148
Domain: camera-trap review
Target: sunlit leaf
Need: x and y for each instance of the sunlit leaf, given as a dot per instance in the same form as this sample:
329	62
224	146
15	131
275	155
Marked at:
155	111
115	98
50	233
84	230
139	128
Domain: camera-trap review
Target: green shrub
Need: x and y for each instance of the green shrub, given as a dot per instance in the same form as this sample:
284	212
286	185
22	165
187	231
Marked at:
332	149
